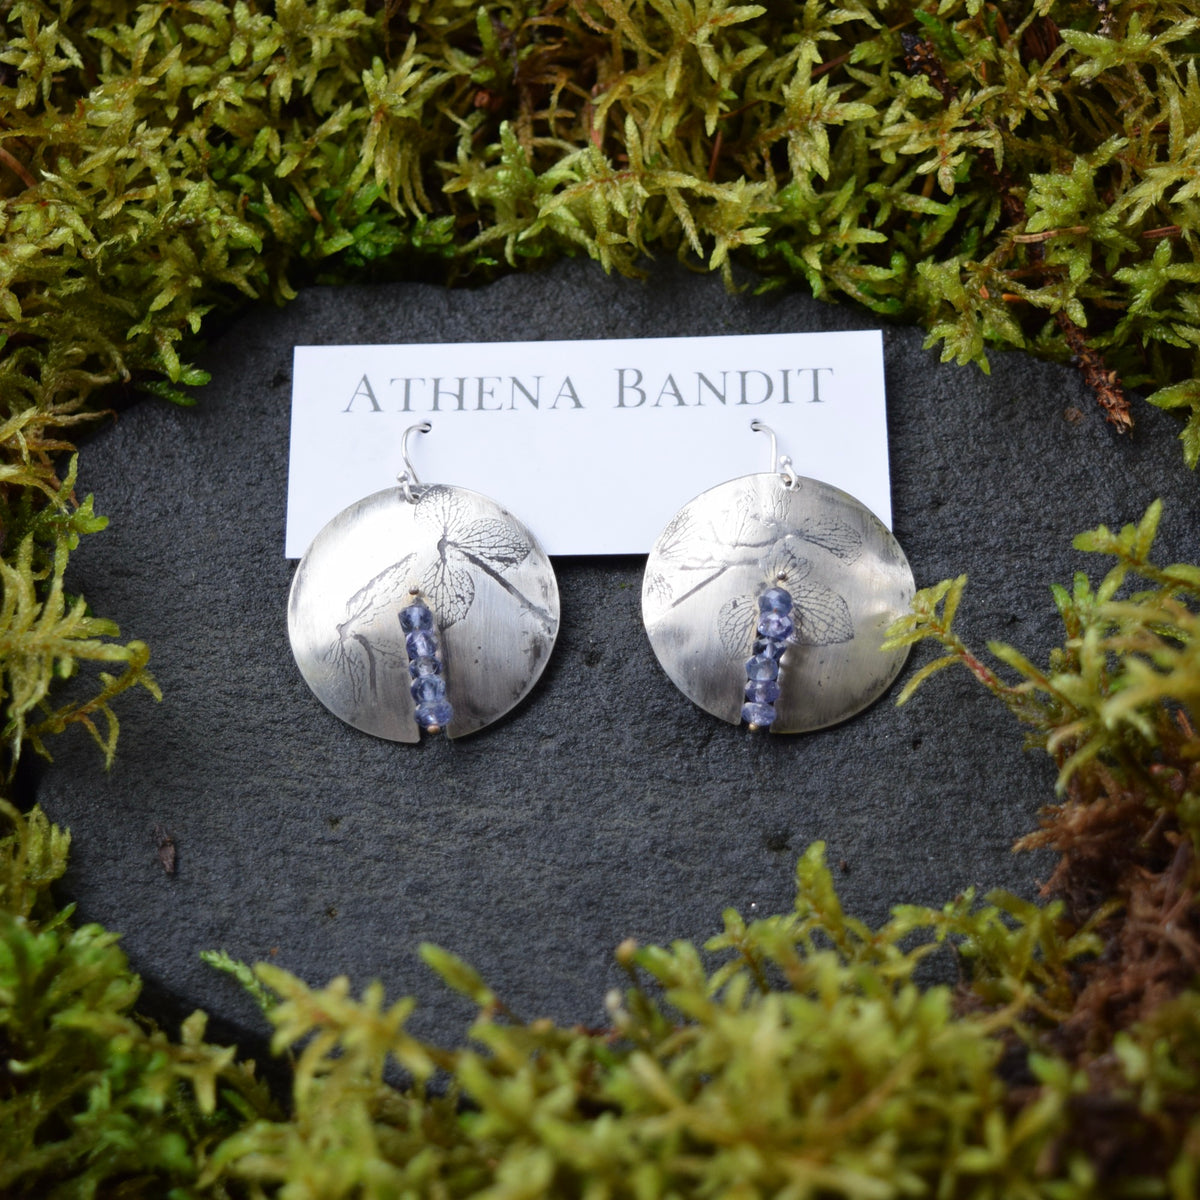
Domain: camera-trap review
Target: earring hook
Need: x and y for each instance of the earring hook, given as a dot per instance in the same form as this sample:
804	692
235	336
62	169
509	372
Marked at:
407	479
783	462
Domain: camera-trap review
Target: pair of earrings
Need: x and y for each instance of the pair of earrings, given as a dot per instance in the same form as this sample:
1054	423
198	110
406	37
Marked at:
428	607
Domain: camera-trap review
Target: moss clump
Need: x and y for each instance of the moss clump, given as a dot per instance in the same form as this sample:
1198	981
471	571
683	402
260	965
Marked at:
795	1055
1015	175
1008	175
93	1101
1116	707
45	634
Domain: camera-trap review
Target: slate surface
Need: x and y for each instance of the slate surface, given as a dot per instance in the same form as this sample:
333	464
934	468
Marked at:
606	806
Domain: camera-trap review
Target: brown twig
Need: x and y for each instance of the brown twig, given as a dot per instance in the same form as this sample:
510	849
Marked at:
832	65
716	154
17	167
1106	384
1029	239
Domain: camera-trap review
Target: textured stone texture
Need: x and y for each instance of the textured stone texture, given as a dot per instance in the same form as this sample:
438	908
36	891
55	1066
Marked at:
533	848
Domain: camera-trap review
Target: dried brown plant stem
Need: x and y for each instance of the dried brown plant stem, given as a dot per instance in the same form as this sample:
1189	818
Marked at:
17	167
1105	384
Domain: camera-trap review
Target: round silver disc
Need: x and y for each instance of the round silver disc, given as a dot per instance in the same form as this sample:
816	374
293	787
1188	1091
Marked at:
848	578
489	584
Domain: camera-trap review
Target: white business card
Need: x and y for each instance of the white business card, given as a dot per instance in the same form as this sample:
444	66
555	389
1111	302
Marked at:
592	444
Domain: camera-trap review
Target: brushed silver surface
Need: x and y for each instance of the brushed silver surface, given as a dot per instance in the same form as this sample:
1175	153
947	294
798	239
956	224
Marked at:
490	586
847	575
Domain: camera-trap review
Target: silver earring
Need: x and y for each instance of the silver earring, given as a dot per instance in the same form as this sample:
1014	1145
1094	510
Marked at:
766	599
423	607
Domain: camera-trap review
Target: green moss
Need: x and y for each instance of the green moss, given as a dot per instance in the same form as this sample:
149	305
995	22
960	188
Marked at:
1000	168
45	635
1130	666
1007	175
92	1099
800	1054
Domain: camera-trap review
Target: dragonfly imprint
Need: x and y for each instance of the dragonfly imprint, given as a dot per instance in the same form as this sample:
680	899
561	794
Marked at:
701	551
465	546
821	615
354	654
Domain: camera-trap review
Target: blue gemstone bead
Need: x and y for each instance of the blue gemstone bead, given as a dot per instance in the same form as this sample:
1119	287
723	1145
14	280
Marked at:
434	713
416	617
769	647
428	687
420	644
766	692
777	626
761	668
420	668
758	714
775	600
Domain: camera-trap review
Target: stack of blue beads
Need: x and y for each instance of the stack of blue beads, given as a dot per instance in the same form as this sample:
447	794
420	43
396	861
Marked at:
775	628
433	711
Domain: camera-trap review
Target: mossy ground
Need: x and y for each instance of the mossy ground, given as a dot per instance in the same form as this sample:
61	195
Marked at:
1018	175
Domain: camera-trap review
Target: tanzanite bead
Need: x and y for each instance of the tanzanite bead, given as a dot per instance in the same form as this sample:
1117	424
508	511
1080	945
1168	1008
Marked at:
775	600
769	647
766	692
433	711
777	626
420	644
434	714
428	687
416	617
419	668
760	715
761	668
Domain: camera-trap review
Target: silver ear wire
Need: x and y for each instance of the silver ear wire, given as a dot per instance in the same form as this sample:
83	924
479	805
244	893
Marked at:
779	462
407	479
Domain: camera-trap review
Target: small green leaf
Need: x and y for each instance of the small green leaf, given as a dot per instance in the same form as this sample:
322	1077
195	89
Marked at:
457	974
930	668
244	974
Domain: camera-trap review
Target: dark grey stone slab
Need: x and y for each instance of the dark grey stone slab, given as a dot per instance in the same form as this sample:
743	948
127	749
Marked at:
606	806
